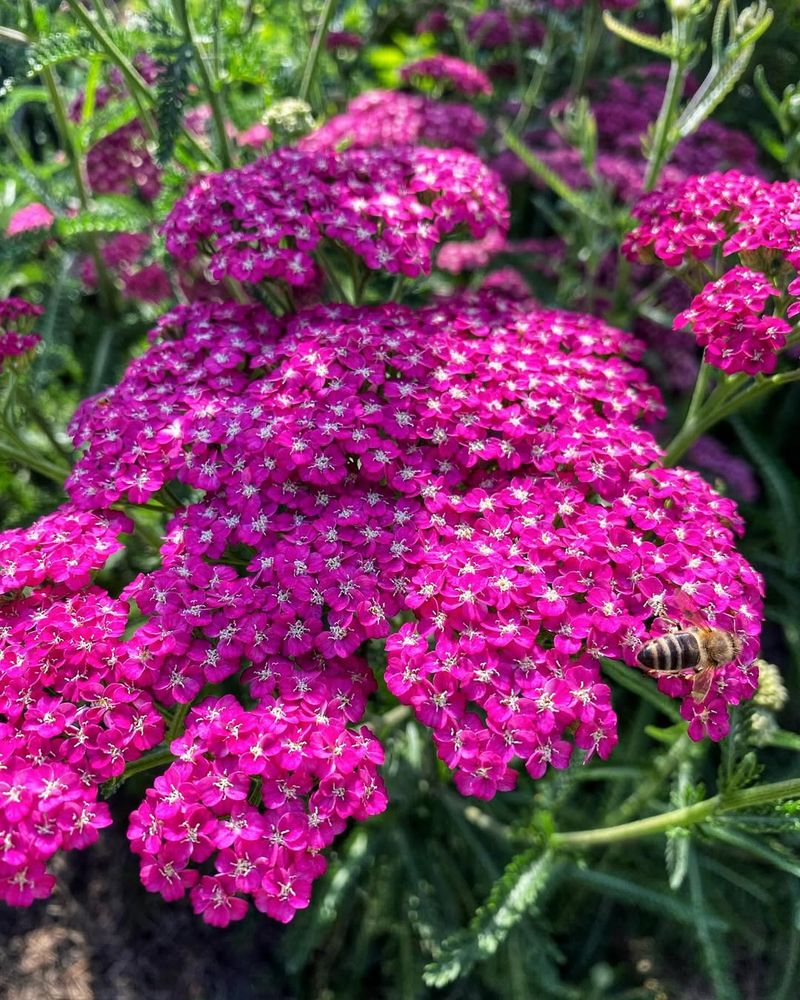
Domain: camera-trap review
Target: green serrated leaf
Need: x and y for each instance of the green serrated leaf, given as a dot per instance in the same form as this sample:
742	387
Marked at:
17	99
99	221
662	46
513	895
172	91
104	122
631	891
725	72
676	856
58	47
777	857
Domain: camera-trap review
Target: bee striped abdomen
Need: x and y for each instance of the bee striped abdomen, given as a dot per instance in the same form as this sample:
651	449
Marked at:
676	651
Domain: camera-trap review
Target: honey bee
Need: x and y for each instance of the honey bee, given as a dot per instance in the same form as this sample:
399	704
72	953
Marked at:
696	650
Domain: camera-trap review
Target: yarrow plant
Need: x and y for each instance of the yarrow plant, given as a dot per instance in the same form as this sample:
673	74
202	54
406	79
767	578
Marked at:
358	528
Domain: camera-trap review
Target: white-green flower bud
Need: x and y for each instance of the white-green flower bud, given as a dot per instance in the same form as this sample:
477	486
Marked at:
771	694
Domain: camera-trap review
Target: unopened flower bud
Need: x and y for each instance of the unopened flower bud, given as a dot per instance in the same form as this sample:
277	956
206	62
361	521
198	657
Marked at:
679	8
762	727
771	694
289	118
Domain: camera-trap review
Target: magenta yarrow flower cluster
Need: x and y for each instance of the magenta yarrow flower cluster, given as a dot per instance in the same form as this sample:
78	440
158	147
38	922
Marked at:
727	319
732	215
494	29
379	118
311	774
389	207
69	719
450	72
16	319
127	257
474	466
466	483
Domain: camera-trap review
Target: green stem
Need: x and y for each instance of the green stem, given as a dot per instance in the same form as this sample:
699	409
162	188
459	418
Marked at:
700	389
556	183
156	758
663	141
590	34
785	740
747	798
397	288
139	89
209	86
175	728
721	405
27	459
310	68
137	85
534	88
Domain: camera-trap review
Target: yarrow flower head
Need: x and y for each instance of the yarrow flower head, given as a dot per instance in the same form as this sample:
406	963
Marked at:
728	319
449	71
737	316
496	29
391	207
311	772
379	118
471	464
16	319
69	720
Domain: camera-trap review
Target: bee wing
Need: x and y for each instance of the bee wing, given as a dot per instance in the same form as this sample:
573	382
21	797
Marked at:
688	611
701	684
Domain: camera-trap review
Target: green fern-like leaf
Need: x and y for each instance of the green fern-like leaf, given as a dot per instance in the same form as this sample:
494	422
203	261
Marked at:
173	87
105	121
58	47
662	46
676	856
17	99
113	214
723	76
512	896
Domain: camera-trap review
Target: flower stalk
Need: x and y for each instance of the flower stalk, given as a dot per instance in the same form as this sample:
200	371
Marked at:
210	86
310	68
700	812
